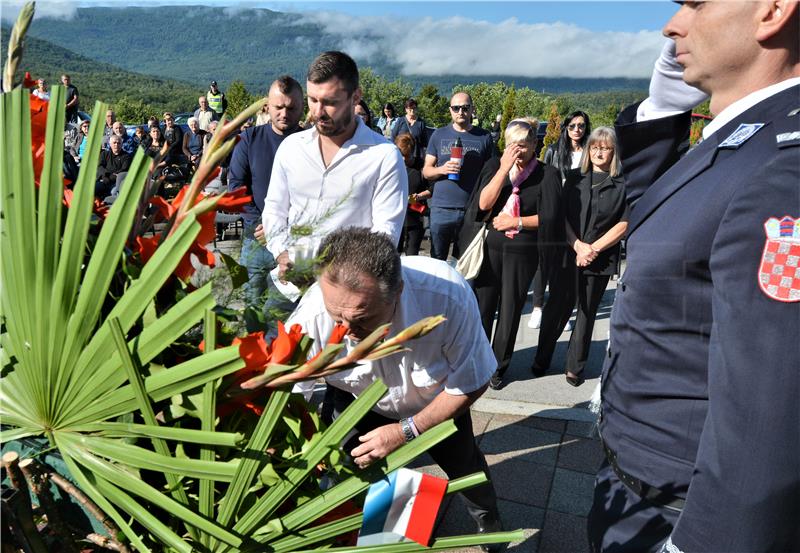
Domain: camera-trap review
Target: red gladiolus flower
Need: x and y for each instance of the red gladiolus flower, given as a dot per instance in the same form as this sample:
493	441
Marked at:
236	201
38	130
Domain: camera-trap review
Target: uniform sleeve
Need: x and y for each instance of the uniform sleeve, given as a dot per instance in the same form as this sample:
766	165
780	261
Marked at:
239	169
649	148
390	196
745	492
276	205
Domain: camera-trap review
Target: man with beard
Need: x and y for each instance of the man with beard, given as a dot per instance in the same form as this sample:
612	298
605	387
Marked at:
251	166
337	173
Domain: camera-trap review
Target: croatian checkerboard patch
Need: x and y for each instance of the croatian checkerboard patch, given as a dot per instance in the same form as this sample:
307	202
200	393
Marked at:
779	272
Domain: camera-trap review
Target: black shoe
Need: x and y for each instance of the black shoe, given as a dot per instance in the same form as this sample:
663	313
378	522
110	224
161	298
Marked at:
496	382
488	527
573	379
538	370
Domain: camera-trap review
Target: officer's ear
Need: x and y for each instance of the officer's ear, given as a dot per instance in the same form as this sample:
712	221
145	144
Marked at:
778	21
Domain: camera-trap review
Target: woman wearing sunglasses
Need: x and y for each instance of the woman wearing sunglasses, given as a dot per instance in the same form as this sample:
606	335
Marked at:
519	197
596	218
565	154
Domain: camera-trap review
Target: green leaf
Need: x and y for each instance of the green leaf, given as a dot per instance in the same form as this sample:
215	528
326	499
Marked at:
186	435
238	272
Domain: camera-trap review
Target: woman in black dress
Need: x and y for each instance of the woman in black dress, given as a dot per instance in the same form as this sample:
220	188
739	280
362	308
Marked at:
596	218
520	197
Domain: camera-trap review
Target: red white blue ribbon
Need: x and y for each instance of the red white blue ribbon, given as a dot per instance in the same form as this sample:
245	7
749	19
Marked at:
401	507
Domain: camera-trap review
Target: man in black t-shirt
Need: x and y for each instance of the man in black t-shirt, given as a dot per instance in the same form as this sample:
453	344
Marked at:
72	99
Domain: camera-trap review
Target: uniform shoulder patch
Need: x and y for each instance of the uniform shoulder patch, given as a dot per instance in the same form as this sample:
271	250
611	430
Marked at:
779	270
741	135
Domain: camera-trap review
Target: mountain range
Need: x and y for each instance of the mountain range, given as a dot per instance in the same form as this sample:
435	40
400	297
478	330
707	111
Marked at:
196	44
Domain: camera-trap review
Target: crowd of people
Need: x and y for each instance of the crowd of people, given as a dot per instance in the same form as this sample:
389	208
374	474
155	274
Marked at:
699	420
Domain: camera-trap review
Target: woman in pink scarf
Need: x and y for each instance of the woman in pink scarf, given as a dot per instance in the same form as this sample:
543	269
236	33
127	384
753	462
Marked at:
519	194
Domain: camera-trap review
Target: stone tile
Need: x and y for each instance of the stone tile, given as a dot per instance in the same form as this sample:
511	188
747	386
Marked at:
521	482
519	441
551	425
571	492
480	421
582	429
456	522
542	423
581	454
563	533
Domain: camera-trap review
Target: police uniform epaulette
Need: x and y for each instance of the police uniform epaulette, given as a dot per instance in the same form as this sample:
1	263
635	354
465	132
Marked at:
787	130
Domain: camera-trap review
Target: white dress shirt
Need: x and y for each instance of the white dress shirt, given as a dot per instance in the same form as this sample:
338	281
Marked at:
455	357
365	185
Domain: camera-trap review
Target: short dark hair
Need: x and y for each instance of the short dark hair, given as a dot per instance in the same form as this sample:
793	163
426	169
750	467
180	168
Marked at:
351	252
410	103
334	64
287	85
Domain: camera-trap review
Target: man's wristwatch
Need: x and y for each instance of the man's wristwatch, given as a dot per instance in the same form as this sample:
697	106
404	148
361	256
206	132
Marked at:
408	433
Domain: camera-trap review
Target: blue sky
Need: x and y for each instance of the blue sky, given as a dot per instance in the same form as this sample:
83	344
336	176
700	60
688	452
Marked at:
594	15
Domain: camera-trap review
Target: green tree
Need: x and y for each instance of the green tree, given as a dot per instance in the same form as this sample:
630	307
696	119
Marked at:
605	117
432	106
509	105
133	111
238	97
553	129
377	90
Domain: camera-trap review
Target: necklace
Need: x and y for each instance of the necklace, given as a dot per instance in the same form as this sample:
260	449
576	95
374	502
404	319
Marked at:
601	182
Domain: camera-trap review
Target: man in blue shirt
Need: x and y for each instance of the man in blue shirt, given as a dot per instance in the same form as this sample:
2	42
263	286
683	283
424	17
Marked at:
251	166
450	196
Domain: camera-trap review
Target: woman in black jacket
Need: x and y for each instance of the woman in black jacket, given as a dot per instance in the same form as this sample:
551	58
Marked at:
519	197
596	218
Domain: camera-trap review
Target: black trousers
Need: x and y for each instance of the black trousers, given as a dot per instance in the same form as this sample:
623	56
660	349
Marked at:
458	455
411	237
502	286
539	285
622	522
569	285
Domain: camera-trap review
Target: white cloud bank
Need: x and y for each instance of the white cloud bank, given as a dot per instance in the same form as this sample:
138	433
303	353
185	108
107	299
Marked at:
457	45
57	9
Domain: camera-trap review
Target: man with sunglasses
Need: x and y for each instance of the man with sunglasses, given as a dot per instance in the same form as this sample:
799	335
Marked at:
450	196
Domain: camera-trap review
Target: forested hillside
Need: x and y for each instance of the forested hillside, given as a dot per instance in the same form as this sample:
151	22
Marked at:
200	43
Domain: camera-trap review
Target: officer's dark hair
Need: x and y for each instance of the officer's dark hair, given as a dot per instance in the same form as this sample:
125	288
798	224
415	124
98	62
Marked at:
287	85
349	253
334	64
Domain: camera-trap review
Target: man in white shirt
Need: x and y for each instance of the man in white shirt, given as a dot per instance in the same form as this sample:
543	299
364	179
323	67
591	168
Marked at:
437	380
337	173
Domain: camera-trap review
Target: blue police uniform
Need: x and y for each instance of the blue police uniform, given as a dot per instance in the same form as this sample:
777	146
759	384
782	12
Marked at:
700	415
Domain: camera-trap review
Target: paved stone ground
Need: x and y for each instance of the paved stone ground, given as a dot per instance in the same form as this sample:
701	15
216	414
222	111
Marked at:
540	441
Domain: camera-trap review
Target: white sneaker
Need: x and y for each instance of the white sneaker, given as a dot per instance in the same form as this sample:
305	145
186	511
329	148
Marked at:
536	318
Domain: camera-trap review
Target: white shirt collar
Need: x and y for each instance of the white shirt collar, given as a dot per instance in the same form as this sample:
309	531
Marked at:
743	104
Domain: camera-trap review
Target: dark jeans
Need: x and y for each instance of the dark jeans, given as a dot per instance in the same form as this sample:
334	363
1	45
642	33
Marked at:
445	226
458	455
258	261
622	522
501	286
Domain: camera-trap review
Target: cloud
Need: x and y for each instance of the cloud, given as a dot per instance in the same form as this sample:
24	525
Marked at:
56	9
462	46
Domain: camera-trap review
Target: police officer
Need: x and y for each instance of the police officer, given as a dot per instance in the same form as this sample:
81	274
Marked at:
216	99
700	418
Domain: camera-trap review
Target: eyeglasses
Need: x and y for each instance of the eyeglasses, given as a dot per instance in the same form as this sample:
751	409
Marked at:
465	108
601	149
576	126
